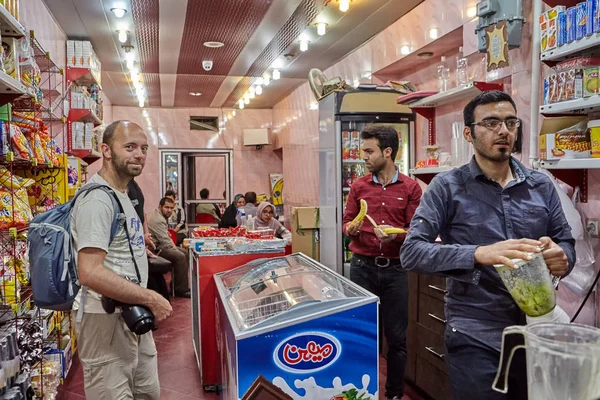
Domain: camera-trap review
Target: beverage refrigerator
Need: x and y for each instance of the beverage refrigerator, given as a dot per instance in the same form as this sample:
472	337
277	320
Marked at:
342	115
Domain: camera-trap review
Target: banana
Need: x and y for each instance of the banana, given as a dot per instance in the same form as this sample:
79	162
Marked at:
393	231
361	215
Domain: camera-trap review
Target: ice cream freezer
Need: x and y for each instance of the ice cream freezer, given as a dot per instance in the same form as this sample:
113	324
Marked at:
292	326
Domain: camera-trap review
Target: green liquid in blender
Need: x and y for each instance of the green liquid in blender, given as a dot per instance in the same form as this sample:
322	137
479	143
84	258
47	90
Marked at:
534	299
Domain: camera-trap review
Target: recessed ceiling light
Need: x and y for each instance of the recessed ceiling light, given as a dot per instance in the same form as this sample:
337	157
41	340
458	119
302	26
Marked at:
425	54
214	45
195	94
118	11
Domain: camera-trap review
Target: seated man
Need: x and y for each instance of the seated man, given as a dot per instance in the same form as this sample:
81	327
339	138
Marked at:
157	224
207	208
177	220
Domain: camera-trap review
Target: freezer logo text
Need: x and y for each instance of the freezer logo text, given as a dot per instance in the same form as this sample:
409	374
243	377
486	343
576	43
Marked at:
307	352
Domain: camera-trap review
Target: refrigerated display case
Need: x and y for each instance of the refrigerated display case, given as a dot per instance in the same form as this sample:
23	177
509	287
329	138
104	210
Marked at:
203	294
298	325
342	115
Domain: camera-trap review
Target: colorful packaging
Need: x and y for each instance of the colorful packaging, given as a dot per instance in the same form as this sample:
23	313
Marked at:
594	132
19	202
12	181
571	24
355	147
546	90
590	81
562	28
543	31
591	16
346	143
561	83
581	21
573	84
553	88
597	17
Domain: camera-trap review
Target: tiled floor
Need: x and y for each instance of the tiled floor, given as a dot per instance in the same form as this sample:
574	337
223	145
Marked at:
177	369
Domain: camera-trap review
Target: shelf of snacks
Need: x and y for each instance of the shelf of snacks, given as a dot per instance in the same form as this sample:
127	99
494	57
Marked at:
11	89
84	115
587	44
83	76
583	105
9	25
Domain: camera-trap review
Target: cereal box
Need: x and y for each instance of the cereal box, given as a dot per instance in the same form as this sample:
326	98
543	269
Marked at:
590	81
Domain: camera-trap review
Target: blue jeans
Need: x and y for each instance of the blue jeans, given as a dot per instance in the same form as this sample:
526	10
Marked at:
472	367
391	285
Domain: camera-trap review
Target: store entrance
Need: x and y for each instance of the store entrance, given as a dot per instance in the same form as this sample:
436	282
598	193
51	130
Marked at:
189	172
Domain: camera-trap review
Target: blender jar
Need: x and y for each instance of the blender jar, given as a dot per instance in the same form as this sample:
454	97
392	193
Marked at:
530	285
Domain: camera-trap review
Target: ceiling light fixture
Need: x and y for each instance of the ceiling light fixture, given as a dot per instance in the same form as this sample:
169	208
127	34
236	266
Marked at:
277	64
405	50
433	33
247	98
303	44
195	94
130	63
233	113
241	104
266	79
252	92
141	102
344	5
259	90
118	11
471	12
276	74
214	45
321	28
123	35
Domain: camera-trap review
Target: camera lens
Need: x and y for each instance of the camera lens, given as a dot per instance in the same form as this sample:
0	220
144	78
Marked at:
139	319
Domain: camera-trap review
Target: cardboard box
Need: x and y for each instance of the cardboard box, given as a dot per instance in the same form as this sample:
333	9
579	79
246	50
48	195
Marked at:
62	356
78	54
87	54
305	231
552	145
70	53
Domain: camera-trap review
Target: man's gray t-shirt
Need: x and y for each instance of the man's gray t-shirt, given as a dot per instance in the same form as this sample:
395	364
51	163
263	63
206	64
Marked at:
91	222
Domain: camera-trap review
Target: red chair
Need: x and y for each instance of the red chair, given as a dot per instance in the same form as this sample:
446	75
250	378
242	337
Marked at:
173	235
205	219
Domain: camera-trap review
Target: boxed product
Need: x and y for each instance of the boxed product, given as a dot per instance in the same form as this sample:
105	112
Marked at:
305	231
549	28
62	357
594	130
78	54
590	81
346	144
71	62
564	138
581	20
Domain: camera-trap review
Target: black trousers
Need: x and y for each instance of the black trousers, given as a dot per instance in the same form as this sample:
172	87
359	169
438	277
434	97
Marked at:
391	285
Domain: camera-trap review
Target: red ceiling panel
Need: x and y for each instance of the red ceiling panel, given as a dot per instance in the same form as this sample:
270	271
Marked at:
145	15
306	12
231	22
206	84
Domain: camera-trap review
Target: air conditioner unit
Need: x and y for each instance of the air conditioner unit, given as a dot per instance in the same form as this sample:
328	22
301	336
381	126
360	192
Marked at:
256	137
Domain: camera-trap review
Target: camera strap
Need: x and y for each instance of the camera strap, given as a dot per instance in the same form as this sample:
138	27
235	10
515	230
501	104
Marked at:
122	211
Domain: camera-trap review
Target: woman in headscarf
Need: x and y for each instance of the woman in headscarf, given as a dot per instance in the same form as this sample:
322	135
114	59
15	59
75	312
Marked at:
265	218
228	219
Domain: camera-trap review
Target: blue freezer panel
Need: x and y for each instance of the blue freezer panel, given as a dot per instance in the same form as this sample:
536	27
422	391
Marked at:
317	359
226	348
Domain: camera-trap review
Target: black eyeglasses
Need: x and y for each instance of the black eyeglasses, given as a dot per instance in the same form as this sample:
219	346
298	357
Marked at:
495	124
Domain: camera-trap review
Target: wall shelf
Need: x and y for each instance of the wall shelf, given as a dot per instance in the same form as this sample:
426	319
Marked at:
570	107
11	89
426	107
572	49
427	174
573	172
9	26
84	115
353	161
82	77
89	156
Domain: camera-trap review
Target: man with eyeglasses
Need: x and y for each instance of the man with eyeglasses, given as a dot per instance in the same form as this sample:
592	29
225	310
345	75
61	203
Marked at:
491	211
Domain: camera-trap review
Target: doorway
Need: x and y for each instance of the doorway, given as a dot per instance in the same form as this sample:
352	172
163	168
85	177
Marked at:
189	171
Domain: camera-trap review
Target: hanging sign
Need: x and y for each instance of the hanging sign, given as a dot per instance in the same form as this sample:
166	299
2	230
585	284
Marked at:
497	46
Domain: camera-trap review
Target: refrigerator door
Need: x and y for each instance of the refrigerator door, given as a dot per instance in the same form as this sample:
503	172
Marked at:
266	290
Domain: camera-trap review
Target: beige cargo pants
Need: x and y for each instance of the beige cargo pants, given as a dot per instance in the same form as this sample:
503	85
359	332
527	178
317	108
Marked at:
117	364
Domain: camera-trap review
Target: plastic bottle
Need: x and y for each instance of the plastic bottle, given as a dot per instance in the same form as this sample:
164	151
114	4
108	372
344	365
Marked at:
455	150
462	77
443	74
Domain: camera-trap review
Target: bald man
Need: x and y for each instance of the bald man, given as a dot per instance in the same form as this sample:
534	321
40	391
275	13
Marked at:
117	363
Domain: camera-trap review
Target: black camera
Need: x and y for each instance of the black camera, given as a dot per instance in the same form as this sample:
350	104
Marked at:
139	319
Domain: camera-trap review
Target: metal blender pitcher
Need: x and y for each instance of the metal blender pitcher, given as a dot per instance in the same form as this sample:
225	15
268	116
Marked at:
563	360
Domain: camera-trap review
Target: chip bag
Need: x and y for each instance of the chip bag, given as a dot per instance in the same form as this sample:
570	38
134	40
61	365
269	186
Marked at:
13	182
19	143
14	208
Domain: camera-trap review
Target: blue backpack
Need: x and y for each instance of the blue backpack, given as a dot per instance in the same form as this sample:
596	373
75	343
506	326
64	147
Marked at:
53	259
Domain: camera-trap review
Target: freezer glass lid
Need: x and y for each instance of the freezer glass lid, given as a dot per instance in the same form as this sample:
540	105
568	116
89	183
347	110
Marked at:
264	289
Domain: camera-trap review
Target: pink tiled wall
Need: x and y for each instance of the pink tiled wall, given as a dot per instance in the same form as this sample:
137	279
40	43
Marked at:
169	129
298	137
